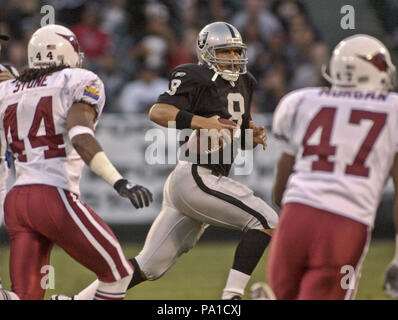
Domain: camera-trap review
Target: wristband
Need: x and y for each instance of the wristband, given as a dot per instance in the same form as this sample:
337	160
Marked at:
184	119
77	130
102	167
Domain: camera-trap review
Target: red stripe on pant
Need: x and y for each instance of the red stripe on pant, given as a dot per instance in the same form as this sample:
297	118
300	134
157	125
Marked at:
308	251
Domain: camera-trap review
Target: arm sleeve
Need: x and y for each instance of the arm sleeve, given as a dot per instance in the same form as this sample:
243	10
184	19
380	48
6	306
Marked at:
89	89
283	124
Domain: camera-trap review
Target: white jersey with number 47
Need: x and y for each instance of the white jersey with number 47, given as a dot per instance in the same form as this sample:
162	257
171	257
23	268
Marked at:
344	143
33	123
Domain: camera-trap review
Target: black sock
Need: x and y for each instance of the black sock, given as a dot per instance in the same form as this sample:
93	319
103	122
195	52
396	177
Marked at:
137	277
250	250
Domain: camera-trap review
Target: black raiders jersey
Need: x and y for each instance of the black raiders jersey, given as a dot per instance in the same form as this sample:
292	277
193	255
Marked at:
192	88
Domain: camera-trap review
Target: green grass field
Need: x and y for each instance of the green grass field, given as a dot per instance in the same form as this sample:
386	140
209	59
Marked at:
199	274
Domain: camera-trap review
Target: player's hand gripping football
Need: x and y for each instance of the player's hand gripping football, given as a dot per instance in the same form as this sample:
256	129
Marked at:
390	285
259	135
214	123
138	195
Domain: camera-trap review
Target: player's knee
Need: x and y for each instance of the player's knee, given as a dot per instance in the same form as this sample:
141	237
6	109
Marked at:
268	227
152	269
267	218
268	231
155	272
192	239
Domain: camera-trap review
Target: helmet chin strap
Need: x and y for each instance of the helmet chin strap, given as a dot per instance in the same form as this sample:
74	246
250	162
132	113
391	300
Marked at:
225	75
229	77
325	74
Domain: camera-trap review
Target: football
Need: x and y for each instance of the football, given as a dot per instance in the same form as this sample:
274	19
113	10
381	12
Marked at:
201	142
226	121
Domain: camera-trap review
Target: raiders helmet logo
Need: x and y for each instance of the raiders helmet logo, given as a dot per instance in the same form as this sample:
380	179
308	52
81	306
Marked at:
202	39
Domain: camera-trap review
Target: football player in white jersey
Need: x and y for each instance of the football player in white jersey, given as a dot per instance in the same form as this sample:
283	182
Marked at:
339	147
48	117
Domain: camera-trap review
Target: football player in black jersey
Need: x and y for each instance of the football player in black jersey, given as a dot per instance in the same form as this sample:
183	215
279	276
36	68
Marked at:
197	194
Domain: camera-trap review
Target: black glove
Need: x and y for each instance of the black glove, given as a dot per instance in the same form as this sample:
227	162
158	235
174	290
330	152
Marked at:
138	195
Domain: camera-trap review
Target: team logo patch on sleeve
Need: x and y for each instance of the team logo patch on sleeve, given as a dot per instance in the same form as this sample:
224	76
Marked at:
91	92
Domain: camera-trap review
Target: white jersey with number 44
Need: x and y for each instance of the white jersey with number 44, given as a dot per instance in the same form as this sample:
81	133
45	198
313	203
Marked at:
344	143
33	123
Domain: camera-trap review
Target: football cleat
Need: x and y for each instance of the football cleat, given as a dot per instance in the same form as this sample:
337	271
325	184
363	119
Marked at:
390	285
261	291
61	297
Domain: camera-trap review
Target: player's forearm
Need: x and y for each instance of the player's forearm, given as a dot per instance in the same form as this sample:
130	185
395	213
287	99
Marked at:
162	114
86	146
92	154
199	122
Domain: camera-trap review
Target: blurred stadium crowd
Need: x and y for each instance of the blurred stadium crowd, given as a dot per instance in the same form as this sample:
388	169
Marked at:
133	45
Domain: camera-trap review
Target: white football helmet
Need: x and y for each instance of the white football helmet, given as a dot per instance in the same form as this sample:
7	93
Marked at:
219	35
361	62
53	45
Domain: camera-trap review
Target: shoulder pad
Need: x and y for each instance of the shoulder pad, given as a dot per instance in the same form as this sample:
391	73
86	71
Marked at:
192	72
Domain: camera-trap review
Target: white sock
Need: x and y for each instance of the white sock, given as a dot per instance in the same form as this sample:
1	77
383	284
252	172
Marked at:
88	293
112	290
236	284
8	295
